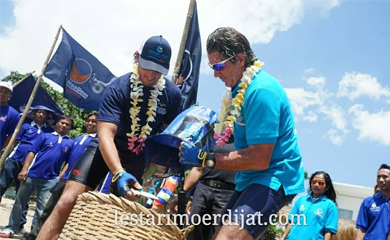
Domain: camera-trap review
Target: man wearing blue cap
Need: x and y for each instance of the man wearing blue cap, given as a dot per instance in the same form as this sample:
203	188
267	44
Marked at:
9	117
134	106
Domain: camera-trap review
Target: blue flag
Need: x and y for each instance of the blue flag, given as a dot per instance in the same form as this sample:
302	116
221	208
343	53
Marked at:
21	95
189	70
80	74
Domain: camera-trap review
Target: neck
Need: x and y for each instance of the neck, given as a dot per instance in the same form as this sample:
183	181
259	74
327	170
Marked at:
385	194
316	195
40	123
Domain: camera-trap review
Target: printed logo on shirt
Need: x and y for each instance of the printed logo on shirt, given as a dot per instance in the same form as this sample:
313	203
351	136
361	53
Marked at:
50	144
3	118
161	108
240	121
302	208
319	212
77	172
374	208
66	149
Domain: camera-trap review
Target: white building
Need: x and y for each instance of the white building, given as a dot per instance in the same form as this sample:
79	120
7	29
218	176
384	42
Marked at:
349	198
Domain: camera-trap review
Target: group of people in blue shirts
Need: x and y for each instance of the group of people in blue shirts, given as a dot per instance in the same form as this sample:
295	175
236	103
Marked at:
41	159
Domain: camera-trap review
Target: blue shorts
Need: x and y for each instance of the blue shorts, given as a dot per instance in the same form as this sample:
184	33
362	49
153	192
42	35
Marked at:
252	208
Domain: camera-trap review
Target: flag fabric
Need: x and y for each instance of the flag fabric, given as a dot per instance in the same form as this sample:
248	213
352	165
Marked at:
79	73
21	94
189	70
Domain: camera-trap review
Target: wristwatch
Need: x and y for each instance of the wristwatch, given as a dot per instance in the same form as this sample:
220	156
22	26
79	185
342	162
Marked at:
210	161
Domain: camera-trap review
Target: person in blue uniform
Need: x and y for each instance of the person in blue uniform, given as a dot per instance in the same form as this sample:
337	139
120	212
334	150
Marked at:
40	172
24	140
267	157
134	106
373	221
319	210
9	117
79	146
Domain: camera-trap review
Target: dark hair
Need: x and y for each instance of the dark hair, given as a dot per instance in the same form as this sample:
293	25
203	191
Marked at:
330	193
384	166
92	114
67	118
229	42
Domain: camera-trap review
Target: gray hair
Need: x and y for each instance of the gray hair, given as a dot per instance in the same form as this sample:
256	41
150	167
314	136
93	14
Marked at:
229	42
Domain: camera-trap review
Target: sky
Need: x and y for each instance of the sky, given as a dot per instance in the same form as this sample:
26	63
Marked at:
330	56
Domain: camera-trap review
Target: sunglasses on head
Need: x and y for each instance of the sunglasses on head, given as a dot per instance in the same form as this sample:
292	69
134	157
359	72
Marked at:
320	183
219	66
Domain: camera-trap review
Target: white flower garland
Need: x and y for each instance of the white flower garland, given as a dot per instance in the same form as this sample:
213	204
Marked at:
231	108
135	94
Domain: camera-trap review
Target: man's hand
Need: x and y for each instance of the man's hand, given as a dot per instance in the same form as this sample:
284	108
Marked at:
123	181
192	155
22	175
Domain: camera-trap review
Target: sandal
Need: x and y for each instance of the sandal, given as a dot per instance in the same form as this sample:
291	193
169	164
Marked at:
6	233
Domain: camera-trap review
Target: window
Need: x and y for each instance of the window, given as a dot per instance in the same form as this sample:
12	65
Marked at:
344	213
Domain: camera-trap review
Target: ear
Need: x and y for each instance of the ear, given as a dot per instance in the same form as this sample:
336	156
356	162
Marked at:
240	59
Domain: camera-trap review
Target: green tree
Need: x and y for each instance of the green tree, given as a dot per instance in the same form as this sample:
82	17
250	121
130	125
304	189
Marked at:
79	115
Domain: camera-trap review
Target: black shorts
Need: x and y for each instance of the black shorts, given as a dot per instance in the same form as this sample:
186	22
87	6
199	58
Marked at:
90	169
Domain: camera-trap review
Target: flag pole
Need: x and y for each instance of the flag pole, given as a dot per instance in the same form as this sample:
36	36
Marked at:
180	54
32	96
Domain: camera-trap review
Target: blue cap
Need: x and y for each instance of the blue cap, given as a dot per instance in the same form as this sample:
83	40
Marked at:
155	54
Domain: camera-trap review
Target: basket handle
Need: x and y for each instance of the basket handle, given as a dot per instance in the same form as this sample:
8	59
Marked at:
186	231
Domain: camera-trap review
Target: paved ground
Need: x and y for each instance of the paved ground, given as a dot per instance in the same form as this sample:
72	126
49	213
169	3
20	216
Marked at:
5	209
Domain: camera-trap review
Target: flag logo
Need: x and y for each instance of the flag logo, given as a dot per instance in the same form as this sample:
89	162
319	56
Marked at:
81	70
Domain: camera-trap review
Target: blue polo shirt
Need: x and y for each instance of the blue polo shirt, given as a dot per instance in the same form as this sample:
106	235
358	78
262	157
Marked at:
374	217
79	146
321	216
9	119
52	150
266	117
115	108
27	135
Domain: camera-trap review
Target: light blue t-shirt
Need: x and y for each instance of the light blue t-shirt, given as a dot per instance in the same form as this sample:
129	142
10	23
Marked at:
267	118
312	218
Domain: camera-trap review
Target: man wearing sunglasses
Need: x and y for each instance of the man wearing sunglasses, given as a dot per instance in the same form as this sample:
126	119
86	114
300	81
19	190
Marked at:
267	157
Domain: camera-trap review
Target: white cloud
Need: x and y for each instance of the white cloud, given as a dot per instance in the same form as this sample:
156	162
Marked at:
371	126
355	84
310	105
338	119
113	30
316	81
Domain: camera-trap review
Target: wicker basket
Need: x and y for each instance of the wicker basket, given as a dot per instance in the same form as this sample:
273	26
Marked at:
97	216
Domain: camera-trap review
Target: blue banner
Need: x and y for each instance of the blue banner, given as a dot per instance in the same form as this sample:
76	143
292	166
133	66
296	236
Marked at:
21	95
79	73
189	70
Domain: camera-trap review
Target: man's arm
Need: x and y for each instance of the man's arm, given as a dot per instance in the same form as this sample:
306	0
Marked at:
328	236
63	171
27	162
192	178
106	134
255	157
6	141
360	234
287	231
